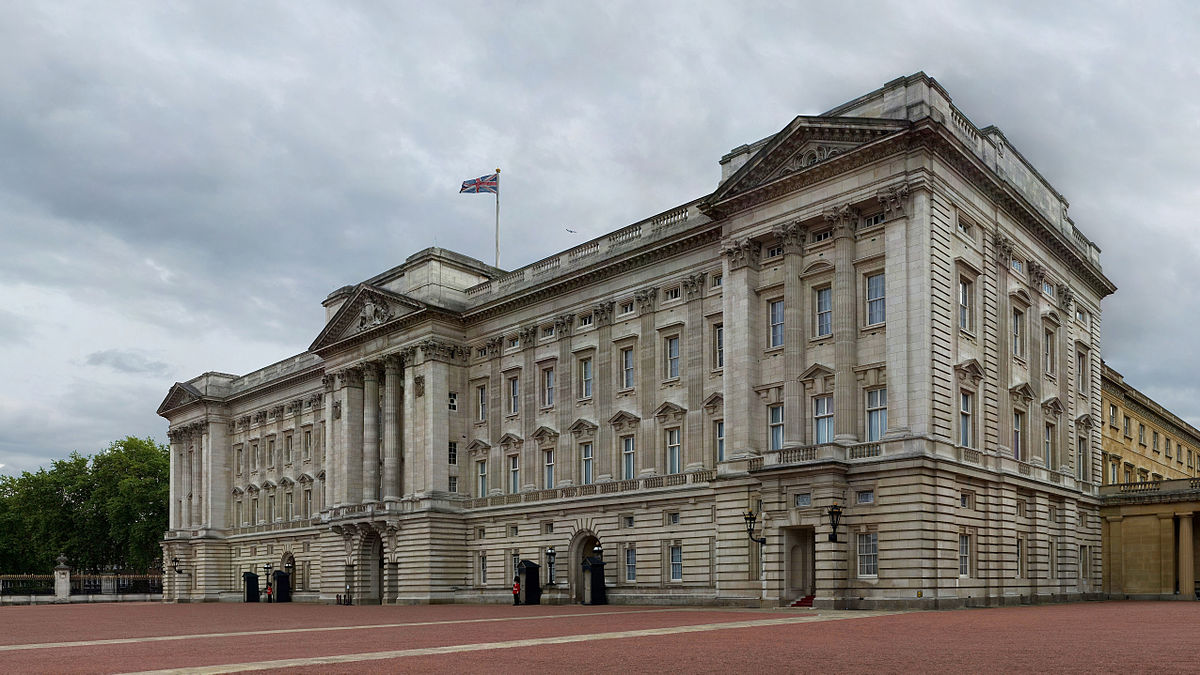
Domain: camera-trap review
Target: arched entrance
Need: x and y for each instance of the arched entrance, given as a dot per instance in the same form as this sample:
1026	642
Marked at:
368	570
801	577
287	564
581	547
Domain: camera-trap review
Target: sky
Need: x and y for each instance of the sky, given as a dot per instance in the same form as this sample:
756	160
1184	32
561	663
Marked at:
182	183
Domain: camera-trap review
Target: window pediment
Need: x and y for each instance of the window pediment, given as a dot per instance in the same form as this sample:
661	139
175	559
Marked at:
1085	421
582	428
969	371
624	420
510	441
1021	391
545	436
714	402
1053	406
478	445
669	412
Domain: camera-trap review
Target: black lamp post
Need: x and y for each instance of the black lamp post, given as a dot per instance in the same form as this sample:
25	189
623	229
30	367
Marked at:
835	517
267	571
750	517
550	555
175	564
598	550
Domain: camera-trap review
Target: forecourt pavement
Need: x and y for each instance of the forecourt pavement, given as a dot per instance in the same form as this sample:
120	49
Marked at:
211	638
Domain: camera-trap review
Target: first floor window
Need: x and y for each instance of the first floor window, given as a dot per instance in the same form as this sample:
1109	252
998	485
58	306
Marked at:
481	478
673	451
307	444
719	346
452	452
628	457
1018	436
875	299
482	570
1018	332
585	464
1049	350
965	314
876	414
452	484
585	378
271	508
964	555
671	347
514	395
719	439
1050	446
627	368
1081	459
237	513
824	314
775	327
514	474
676	563
289	510
548	387
548	469
308	503
631	564
868	554
481	403
966	427
254	509
823	419
775	426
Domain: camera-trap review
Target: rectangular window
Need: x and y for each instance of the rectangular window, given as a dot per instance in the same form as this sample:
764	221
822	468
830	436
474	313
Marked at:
1112	415
1018	332
875	300
547	387
1082	370
585	378
481	403
239	460
872	220
802	500
719	439
1154	441
966	423
718	346
673	517
514	474
823	419
514	342
876	414
627	307
482	569
868	554
964	226
452	453
671	354
964	555
481	488
1127	428
254	511
864	497
287	449
307	444
1018	436
774	252
671	294
271	508
271	453
628	458
452	401
676	563
289	508
674	461
1020	557
627	368
1081	459
1049	349
548	331
585	464
1051	446
965	305
775	426
775	327
1141	433
822	236
631	564
585	320
514	395
1167	447
824	307
548	470
452	484
716	281
308	504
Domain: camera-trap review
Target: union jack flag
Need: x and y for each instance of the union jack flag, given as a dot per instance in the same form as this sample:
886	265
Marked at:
489	183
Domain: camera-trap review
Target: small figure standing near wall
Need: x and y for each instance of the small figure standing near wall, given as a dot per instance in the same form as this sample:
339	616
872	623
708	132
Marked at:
516	590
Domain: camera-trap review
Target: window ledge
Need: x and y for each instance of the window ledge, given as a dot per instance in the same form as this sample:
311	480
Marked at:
773	350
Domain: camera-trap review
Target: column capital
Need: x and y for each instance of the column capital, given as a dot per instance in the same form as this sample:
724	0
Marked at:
892	199
742	253
391	364
370	371
843	218
603	311
791	237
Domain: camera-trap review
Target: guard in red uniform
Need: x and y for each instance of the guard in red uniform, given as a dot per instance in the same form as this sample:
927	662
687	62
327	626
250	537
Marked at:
516	590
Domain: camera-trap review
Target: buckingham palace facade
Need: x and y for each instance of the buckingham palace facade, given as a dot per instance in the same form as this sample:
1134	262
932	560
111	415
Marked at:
884	307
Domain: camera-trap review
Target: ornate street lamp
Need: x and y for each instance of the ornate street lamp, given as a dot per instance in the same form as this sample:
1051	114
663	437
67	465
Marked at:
598	550
550	555
287	566
750	516
267	571
835	517
175	564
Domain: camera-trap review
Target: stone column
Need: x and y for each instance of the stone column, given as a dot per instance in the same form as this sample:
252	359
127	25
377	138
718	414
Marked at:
197	471
327	443
62	580
650	373
741	276
176	479
391	427
606	373
845	325
1166	553
695	346
792	239
900	310
1187	552
370	461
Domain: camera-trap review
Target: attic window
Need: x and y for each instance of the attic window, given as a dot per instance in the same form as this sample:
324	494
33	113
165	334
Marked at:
774	251
514	342
822	236
548	331
873	220
1018	265
1048	288
627	307
585	320
672	293
480	352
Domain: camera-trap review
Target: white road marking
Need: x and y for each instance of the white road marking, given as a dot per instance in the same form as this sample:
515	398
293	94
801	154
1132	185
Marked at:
483	646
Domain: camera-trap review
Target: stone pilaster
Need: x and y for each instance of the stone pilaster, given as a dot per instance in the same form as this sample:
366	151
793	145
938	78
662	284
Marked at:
791	236
845	325
740	271
651	370
392	392
370	462
350	437
174	511
197	472
329	452
1187	553
605	374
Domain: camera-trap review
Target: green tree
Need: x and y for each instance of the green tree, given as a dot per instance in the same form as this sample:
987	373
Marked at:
132	489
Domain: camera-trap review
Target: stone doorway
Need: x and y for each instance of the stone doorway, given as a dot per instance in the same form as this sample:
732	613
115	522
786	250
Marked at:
369	571
581	547
801	563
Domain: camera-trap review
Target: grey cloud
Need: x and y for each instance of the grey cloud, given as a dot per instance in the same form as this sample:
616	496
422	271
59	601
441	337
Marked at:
127	361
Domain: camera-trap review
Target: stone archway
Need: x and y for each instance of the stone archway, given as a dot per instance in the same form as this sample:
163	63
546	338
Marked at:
293	571
581	547
368	570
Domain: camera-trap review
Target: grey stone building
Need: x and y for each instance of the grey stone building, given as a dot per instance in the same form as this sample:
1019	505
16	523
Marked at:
883	307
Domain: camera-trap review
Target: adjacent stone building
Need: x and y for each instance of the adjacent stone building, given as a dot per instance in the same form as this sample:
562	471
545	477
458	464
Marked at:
1143	441
884	307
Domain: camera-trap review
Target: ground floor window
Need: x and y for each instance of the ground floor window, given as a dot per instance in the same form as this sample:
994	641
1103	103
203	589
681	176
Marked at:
676	563
868	554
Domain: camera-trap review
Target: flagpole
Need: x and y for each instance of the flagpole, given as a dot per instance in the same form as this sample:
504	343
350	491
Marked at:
497	218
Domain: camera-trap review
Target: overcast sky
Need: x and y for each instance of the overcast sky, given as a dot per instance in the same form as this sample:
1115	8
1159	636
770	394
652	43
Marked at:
181	184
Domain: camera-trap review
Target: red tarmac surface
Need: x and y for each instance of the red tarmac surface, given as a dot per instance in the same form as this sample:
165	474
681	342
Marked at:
1126	637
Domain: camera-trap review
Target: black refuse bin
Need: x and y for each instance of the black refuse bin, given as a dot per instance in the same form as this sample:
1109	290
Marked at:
250	580
531	585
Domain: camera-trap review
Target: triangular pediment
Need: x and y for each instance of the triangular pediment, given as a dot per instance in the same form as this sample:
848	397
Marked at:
1053	406
543	434
969	371
1085	421
181	393
477	445
624	418
304	478
581	425
669	412
367	309
714	401
1022	391
816	371
806	143
511	440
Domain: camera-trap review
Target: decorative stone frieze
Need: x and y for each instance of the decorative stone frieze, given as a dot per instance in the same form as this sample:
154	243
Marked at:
603	311
893	199
646	298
